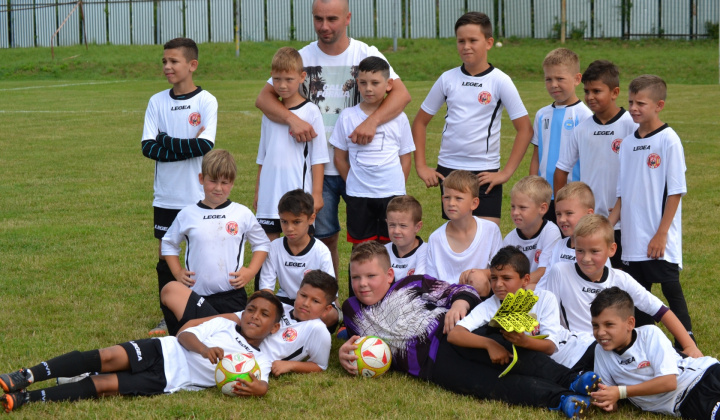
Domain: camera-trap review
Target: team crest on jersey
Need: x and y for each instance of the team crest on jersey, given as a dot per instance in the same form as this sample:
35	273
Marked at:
306	271
569	124
411	272
535	331
616	145
644	364
289	335
537	255
231	228
484	97
653	161
194	119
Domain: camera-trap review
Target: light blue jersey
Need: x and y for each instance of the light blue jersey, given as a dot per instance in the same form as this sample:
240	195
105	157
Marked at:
553	127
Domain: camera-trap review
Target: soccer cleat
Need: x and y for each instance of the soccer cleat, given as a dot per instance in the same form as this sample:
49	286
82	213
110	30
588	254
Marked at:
14	401
342	334
160	329
586	383
16	381
574	406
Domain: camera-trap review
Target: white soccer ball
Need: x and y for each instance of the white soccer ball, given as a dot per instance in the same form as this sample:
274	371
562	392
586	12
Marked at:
498	44
233	367
374	356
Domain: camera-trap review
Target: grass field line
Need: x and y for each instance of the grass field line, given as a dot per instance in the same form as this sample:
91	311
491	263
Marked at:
63	85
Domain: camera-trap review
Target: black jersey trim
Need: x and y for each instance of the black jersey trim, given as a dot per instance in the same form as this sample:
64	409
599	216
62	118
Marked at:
294	354
492	119
568	106
221	206
481	74
409	254
652	133
568	243
299	105
626	348
238	264
185	96
301	253
612	120
603	279
521	236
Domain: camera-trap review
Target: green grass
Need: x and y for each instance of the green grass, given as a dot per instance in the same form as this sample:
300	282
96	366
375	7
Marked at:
77	253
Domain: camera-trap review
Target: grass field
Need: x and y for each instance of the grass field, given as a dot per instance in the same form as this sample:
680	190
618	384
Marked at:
77	253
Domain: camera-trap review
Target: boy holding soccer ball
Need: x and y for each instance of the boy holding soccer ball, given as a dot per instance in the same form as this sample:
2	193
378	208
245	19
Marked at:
154	366
413	317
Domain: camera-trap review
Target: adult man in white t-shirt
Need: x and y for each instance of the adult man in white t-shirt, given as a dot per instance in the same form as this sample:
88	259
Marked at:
333	54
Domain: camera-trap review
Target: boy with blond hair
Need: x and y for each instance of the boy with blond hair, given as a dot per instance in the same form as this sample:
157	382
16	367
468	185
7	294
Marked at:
180	126
576	285
650	186
408	252
375	172
534	236
639	363
218	229
465	242
475	94
555	123
301	163
595	143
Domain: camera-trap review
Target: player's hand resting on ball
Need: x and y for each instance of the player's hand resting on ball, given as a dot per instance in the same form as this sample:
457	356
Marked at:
348	359
213	354
256	388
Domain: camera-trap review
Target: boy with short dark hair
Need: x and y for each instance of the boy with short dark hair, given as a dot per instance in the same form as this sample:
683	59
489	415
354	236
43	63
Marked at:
534	235
301	163
555	123
153	366
475	94
293	255
651	183
413	316
180	126
217	228
375	172
408	252
640	363
465	242
595	142
575	285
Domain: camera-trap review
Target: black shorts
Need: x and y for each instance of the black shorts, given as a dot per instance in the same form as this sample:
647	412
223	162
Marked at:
228	302
147	368
490	204
652	271
703	400
163	218
197	307
366	219
616	260
270	225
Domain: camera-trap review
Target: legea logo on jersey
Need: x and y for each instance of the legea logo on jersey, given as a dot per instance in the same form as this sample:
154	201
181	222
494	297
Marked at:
231	228
289	335
616	145
194	119
653	161
644	364
484	97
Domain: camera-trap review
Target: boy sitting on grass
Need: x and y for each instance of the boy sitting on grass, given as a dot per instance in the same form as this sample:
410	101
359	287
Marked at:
413	316
465	241
153	366
576	285
641	364
297	252
510	271
217	228
534	235
408	252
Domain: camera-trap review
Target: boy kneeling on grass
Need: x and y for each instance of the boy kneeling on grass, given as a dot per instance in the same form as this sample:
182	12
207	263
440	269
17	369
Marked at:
414	315
154	366
642	365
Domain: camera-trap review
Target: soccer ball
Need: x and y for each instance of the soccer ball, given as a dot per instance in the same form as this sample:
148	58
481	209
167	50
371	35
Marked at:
374	356
233	367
